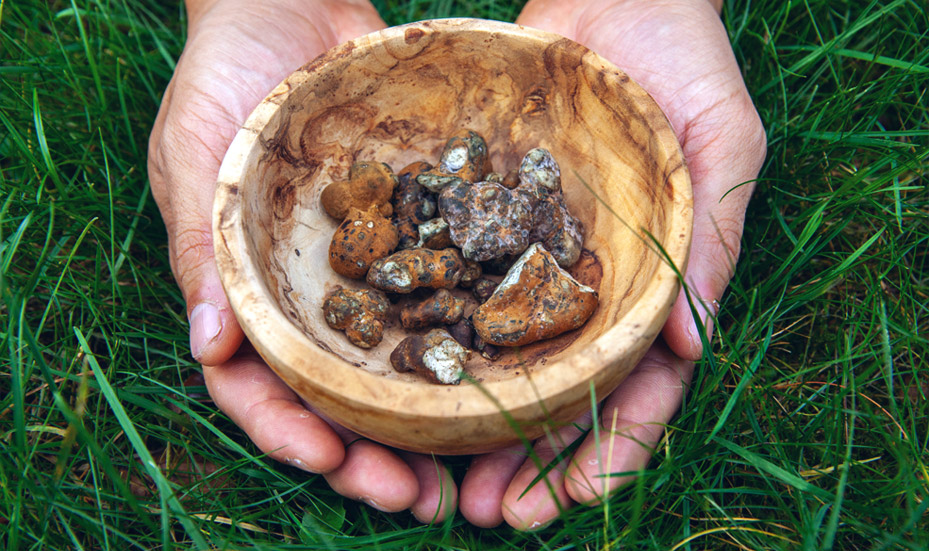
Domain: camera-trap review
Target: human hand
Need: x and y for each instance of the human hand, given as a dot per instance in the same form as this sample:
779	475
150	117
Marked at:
679	52
236	52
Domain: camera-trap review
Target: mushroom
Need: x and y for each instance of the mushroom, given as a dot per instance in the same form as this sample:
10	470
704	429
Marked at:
486	219
360	313
440	308
410	269
437	356
536	300
368	183
464	159
360	239
412	203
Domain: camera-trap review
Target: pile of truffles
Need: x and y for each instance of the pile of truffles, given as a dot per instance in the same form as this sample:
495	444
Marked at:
429	229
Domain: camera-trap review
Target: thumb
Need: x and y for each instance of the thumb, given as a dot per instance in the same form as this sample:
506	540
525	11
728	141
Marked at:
182	169
215	334
725	152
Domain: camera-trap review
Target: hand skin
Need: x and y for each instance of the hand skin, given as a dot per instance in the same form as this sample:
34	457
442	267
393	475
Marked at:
678	50
236	52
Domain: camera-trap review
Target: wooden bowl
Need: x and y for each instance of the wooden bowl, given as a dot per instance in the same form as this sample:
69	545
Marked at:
396	96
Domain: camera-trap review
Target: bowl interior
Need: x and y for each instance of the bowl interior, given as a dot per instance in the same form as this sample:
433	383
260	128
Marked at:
396	97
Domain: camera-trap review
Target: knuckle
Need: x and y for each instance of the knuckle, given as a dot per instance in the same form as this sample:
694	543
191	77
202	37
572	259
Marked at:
719	246
192	250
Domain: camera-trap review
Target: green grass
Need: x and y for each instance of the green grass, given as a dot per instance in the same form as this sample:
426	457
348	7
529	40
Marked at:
806	428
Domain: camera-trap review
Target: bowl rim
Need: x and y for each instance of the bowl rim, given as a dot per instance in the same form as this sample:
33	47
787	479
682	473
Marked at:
291	353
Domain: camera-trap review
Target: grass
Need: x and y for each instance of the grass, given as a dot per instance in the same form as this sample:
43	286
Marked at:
806	428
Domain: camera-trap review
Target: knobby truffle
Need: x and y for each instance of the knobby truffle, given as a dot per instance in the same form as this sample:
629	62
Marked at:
486	219
536	300
437	356
405	271
360	239
439	309
368	183
360	313
552	224
464	159
412	203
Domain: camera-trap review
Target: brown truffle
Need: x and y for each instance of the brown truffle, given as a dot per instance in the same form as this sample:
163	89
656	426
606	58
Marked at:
558	230
552	223
361	314
464	158
413	204
368	183
539	170
536	300
434	234
439	309
485	349
360	239
410	269
483	289
462	332
486	220
472	273
437	356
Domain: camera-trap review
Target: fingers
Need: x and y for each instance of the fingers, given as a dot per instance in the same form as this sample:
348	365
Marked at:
631	424
725	151
485	484
529	505
271	414
438	495
182	168
375	475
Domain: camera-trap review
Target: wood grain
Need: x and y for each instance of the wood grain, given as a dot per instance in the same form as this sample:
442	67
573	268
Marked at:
396	96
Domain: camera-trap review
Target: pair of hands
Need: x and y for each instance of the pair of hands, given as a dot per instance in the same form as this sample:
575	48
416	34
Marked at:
238	50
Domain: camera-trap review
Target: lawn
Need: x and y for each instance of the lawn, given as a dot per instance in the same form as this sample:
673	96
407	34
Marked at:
807	424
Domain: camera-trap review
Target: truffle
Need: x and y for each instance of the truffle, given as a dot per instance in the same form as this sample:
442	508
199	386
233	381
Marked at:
536	300
361	314
368	183
360	239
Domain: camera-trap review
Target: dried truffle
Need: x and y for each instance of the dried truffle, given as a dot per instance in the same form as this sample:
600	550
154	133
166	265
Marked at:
368	184
540	171
464	158
472	273
462	332
485	349
410	269
486	220
360	239
536	300
437	356
558	230
552	223
360	313
483	289
412	203
434	234
439	309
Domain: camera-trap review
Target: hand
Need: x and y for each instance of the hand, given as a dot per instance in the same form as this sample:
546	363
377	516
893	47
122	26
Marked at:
236	52
678	50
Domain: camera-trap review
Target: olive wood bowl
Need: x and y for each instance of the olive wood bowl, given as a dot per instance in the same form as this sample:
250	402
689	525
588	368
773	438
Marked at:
396	96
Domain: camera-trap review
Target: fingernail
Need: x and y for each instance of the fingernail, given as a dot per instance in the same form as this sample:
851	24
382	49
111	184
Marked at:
205	326
294	462
707	312
370	501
